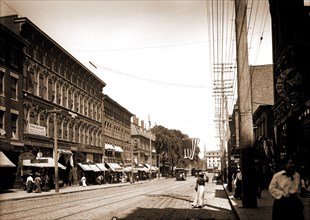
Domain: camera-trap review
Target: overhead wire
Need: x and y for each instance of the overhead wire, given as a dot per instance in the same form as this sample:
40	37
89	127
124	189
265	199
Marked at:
11	8
151	80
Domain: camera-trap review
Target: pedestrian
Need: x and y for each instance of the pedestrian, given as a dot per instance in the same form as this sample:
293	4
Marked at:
259	176
38	182
200	191
46	183
83	181
284	188
99	179
29	183
238	184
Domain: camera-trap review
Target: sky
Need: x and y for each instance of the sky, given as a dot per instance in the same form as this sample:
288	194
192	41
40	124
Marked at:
156	57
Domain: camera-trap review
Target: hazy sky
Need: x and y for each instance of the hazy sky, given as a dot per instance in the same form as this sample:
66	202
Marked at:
156	57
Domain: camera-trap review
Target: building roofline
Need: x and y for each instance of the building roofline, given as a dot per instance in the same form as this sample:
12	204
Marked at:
26	20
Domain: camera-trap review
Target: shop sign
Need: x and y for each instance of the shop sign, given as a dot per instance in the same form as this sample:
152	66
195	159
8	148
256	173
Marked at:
288	85
39	161
36	129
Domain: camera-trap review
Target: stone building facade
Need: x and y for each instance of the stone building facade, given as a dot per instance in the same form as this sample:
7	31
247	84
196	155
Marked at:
143	153
117	132
54	82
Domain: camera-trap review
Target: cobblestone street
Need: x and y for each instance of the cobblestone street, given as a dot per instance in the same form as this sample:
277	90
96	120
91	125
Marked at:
157	199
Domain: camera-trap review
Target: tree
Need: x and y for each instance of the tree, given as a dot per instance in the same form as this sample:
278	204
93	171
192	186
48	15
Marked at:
169	145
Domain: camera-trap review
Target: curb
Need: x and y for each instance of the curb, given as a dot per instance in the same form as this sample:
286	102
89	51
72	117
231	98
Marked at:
230	202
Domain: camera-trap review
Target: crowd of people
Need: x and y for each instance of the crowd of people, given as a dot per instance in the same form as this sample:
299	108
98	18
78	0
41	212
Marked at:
37	183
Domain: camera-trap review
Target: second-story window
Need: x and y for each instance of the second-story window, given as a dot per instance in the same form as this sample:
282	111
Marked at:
14	126
14	87
13	56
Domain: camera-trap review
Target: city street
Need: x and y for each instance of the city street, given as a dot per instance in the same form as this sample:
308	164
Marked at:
163	199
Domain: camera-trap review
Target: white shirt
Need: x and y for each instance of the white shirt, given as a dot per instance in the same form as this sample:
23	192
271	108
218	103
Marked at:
283	185
29	179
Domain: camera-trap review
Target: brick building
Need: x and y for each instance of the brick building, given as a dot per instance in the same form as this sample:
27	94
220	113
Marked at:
11	107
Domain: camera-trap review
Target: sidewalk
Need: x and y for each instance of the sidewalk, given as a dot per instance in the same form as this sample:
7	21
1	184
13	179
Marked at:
17	194
264	207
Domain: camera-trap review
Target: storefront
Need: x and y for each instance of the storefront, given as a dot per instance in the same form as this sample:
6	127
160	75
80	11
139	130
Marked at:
41	166
7	171
91	171
115	171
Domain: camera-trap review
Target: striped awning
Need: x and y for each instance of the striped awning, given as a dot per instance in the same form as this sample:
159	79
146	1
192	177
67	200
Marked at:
4	161
118	149
42	162
101	166
85	167
115	167
109	147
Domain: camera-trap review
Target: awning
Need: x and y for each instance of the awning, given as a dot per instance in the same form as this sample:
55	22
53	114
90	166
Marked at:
142	168
101	166
118	149
115	167
129	169
94	167
5	162
42	162
85	167
109	147
152	167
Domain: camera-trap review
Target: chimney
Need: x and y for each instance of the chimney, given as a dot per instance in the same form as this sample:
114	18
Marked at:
135	120
142	124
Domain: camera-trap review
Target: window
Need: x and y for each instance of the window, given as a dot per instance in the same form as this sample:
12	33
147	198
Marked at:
1	83
13	56
35	55
2	49
42	88
14	125
13	87
2	119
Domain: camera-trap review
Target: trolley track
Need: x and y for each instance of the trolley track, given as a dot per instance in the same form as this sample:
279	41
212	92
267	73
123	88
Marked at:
101	199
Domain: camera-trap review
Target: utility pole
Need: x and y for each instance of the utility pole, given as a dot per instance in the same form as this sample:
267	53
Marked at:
150	133
223	87
54	112
245	107
56	154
